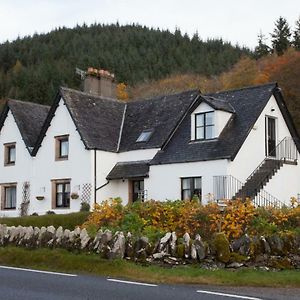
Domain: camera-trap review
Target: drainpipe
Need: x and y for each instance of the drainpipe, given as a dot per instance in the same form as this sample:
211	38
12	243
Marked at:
95	175
95	178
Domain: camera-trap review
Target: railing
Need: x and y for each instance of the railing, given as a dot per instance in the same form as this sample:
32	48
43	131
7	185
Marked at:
226	187
285	151
143	195
263	199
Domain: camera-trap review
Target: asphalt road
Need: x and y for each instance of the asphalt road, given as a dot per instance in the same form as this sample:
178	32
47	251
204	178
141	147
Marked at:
16	284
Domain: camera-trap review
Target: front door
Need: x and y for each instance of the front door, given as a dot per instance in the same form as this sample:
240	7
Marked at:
271	136
138	190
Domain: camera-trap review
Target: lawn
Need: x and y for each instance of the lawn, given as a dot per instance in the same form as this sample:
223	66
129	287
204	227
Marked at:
67	221
63	261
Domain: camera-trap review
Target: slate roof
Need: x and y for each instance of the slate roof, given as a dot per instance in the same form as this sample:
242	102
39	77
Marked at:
161	114
97	119
247	103
218	104
29	118
131	169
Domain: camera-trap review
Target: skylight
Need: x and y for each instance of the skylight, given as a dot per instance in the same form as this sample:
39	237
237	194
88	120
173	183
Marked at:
145	136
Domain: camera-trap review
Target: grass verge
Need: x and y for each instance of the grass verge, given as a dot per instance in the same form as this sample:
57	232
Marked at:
61	260
67	221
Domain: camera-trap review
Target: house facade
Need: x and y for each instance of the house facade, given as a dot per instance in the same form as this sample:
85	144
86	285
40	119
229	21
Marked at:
88	147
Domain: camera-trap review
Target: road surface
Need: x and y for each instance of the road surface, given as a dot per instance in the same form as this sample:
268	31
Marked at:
26	284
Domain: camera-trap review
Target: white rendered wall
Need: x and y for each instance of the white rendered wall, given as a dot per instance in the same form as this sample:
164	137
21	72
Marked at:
164	181
221	118
286	181
252	152
106	161
22	170
77	167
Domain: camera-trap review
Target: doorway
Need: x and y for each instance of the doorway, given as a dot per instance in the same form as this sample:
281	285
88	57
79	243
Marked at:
138	190
270	137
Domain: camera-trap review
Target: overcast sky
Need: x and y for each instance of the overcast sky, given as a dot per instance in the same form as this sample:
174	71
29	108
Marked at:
237	21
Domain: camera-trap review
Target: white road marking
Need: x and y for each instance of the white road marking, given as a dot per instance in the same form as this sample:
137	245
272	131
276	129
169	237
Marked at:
228	295
38	271
131	282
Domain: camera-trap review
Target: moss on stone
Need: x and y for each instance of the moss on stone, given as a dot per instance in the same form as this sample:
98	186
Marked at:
180	251
222	247
236	257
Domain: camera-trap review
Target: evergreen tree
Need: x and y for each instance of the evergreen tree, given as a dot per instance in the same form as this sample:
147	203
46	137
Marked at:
281	36
262	49
296	40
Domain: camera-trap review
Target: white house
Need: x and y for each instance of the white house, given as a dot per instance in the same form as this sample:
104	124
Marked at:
88	147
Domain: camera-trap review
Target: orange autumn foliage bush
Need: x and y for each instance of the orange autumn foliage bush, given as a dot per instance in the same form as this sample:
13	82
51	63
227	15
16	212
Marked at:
156	218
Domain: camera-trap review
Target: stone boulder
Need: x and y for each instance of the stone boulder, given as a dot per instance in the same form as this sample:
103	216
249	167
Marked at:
200	247
118	246
242	245
186	243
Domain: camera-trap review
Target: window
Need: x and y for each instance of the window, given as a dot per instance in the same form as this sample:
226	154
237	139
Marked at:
204	126
62	147
9	196
191	187
62	193
9	154
145	136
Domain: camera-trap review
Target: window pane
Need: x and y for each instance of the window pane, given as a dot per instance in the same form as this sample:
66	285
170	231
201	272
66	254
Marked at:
186	183
199	120
209	118
59	188
199	133
10	197
64	148
59	199
209	132
144	136
67	187
186	194
197	183
12	154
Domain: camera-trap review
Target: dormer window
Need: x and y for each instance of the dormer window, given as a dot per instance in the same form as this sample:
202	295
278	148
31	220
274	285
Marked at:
145	136
9	154
204	125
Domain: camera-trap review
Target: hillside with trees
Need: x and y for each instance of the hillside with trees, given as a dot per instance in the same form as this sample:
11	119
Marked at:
278	62
32	68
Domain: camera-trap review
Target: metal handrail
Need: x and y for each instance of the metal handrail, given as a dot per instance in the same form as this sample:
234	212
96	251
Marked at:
283	151
229	187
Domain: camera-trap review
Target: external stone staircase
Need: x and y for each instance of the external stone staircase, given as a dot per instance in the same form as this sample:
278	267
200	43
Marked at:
228	187
259	178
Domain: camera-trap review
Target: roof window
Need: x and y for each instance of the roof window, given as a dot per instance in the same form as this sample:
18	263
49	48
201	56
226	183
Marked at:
145	136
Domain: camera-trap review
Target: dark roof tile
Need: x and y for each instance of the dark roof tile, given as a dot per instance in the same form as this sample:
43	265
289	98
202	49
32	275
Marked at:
247	103
29	118
131	169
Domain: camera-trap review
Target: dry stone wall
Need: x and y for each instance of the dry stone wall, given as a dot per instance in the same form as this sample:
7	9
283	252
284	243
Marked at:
270	252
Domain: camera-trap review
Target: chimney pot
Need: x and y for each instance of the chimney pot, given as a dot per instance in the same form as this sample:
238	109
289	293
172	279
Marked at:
100	82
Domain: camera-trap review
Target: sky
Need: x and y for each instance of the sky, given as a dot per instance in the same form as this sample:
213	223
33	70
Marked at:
236	21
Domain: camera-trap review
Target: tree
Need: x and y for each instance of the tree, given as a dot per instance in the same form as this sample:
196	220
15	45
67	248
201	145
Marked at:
262	49
296	41
281	36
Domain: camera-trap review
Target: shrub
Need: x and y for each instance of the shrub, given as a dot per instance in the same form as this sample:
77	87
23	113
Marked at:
154	218
84	206
67	221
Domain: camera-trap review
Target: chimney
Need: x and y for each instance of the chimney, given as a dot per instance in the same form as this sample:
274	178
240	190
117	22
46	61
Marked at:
100	83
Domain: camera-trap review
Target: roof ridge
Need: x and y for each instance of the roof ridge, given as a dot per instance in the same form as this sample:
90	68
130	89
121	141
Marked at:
90	95
163	95
242	88
27	102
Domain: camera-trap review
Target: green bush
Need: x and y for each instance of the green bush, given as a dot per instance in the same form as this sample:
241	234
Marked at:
67	221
